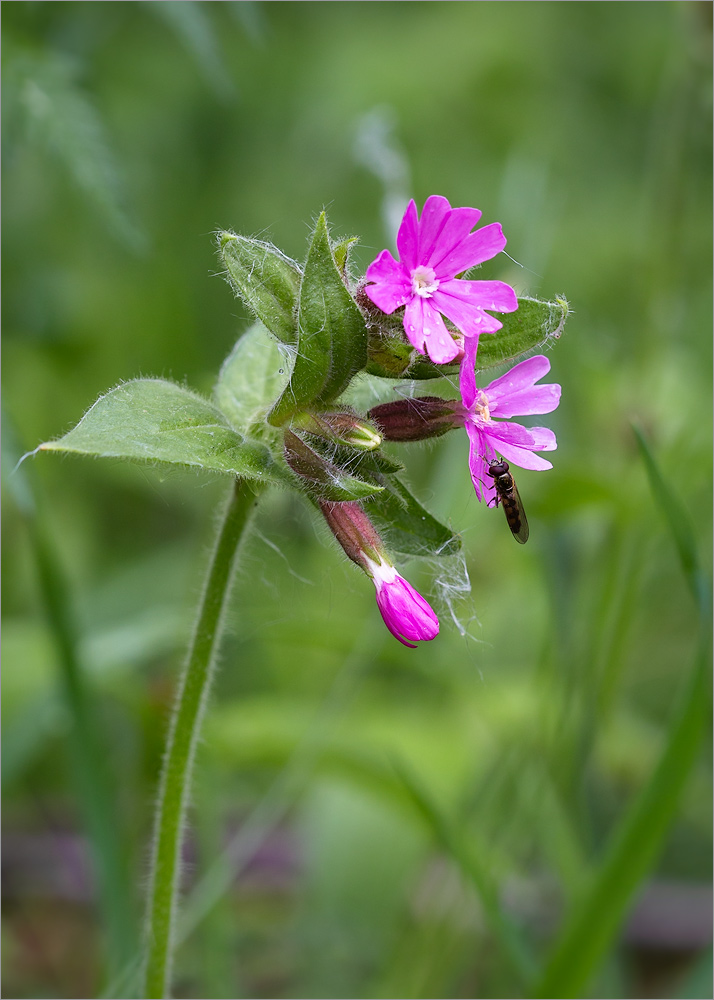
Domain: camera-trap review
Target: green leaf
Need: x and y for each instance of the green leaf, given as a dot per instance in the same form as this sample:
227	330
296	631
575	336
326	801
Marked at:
332	337
265	279
322	479
406	526
253	376
157	421
534	324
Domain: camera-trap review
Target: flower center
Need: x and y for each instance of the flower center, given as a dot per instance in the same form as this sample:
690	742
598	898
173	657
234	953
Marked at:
424	281
481	409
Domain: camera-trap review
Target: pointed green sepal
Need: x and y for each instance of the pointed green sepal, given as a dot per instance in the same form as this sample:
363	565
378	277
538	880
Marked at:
152	420
265	279
322	479
332	337
341	252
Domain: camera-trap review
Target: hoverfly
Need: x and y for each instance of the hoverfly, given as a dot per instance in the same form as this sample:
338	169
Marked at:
507	494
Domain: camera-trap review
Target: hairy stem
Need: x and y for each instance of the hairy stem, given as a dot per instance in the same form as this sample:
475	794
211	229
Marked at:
183	736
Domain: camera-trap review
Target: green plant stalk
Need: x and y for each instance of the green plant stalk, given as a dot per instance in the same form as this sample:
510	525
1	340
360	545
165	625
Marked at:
175	782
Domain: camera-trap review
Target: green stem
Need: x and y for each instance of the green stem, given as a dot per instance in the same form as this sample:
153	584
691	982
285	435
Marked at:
185	728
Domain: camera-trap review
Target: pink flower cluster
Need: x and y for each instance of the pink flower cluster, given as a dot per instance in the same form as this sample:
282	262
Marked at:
433	250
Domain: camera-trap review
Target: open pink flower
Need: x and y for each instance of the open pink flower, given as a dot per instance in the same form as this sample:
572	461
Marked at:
513	394
405	612
432	251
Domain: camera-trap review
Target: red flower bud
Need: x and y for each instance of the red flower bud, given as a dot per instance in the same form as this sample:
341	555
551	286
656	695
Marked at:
418	418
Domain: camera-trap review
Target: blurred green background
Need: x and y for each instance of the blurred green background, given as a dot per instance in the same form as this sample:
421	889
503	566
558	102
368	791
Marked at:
347	777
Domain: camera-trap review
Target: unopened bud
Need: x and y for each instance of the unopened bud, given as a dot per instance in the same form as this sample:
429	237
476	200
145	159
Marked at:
303	460
418	418
355	532
342	427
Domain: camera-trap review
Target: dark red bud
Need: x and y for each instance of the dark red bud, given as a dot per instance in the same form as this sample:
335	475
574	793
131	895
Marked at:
355	532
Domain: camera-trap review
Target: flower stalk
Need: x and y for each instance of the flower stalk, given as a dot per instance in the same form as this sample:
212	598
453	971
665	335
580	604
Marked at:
175	783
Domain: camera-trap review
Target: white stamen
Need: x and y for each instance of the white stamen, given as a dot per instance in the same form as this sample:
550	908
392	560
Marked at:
424	281
481	407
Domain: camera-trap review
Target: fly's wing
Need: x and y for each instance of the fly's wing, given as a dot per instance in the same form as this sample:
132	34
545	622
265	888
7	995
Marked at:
515	514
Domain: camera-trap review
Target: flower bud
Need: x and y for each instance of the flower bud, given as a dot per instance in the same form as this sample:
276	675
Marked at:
308	464
418	418
342	427
406	614
355	532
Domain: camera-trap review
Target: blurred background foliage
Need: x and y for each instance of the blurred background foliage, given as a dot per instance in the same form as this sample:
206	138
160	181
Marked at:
369	821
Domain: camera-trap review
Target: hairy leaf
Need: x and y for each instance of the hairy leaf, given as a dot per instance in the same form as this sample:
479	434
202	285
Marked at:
252	377
534	324
406	526
332	337
157	421
265	279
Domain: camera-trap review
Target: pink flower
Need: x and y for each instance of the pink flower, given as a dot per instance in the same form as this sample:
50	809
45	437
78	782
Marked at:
432	251
513	394
405	612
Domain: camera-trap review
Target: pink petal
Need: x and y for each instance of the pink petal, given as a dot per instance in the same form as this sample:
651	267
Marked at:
393	286
544	438
467	375
521	376
480	454
538	399
474	249
433	216
426	331
515	434
405	612
455	229
464	302
408	237
521	456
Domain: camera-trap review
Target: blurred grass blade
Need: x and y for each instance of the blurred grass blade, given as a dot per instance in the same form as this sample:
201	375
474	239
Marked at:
193	26
461	850
58	115
589	931
679	524
95	789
